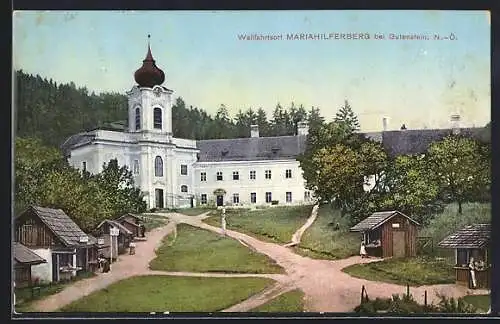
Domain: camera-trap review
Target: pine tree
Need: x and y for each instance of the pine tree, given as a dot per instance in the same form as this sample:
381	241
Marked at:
346	117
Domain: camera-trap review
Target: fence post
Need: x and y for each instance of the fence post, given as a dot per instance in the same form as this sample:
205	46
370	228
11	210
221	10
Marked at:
408	290
362	292
425	297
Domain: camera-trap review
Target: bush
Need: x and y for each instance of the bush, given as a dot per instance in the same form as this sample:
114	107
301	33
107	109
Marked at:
408	305
274	202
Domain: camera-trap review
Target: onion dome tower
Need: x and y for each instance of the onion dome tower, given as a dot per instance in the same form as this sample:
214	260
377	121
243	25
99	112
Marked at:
149	75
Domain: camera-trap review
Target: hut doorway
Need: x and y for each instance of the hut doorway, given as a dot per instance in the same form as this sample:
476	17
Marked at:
398	244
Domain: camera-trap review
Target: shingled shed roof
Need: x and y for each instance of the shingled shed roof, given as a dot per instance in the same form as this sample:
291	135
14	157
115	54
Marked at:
137	218
25	256
251	149
120	227
470	237
376	219
61	225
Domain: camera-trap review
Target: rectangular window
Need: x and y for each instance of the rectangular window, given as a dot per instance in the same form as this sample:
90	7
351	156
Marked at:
288	173
288	196
136	167
236	175
184	169
268	174
219	176
203	176
307	195
253	197
84	166
269	197
252	175
184	188
203	199
236	198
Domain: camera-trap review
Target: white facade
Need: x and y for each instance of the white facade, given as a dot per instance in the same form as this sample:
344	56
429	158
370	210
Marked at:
276	180
167	170
43	270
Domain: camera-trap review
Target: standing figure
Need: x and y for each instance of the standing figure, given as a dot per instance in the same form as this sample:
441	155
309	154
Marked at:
472	273
132	248
143	230
362	251
223	221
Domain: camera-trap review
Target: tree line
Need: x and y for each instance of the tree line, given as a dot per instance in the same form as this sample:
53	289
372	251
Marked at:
52	112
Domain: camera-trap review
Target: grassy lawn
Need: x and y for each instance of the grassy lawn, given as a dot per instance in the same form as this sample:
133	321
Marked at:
153	221
24	300
173	294
321	241
194	211
275	225
200	250
289	302
481	302
413	271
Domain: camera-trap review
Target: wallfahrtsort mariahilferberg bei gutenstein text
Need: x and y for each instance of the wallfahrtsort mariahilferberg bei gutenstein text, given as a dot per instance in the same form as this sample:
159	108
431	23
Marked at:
345	36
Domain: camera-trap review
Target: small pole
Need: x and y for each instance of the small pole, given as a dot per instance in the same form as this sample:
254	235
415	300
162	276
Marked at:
408	290
425	297
362	292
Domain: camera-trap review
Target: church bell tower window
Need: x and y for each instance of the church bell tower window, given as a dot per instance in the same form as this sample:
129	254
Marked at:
157	118
137	118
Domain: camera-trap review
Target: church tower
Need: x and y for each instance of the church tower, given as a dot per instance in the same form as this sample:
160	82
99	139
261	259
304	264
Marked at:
149	102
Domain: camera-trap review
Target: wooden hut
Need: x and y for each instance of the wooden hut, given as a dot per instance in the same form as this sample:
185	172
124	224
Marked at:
132	223
24	259
119	244
388	234
54	236
471	241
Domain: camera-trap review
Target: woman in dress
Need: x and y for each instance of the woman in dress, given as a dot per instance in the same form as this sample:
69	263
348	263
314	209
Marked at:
472	269
362	250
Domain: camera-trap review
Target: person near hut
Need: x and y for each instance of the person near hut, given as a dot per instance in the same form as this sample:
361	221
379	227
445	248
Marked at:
472	269
143	230
223	221
362	251
132	248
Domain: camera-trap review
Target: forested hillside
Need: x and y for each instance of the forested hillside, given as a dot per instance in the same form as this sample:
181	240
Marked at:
52	112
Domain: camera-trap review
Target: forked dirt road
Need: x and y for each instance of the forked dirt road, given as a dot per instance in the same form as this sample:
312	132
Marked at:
326	287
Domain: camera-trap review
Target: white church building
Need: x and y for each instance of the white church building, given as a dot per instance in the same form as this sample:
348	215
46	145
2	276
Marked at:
175	172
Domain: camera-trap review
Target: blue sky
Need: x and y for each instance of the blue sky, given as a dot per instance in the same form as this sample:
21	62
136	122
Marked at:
416	82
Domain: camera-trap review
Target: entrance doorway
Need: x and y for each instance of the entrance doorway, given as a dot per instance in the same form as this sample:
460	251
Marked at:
55	268
398	244
159	198
220	200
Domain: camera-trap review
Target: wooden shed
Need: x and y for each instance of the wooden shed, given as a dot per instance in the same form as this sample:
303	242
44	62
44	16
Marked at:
388	234
24	258
471	241
133	223
54	236
119	244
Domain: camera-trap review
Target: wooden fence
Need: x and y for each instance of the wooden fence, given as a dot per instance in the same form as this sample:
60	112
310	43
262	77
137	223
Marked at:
364	294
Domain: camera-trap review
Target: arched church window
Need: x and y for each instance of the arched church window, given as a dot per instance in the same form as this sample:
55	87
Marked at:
157	118
137	118
158	167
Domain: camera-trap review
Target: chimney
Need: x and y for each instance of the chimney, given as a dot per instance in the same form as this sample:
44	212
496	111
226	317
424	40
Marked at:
455	124
302	128
384	124
254	130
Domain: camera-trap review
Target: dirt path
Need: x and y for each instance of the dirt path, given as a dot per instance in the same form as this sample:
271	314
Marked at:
127	266
298	234
326	287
